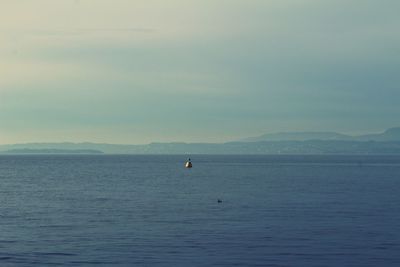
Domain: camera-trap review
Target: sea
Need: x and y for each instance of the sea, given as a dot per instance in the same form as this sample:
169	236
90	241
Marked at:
228	210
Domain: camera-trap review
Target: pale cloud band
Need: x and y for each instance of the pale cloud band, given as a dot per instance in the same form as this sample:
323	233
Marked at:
138	71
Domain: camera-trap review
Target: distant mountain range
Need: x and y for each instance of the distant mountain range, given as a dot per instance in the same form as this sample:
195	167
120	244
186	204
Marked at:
392	134
387	142
52	151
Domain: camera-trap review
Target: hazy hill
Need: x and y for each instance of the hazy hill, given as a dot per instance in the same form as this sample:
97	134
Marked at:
52	151
392	134
262	147
387	142
298	136
105	148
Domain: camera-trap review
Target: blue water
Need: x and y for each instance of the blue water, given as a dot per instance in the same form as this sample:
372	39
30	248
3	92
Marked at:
150	211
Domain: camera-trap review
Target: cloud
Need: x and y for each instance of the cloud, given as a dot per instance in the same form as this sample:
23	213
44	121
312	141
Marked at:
214	65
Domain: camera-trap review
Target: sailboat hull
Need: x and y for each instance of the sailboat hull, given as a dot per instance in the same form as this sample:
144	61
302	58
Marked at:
188	165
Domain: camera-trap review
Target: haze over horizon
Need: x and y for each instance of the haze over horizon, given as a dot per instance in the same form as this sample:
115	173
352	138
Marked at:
135	72
393	133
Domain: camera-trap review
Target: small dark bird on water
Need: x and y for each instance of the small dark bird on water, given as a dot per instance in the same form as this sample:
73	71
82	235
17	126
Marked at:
219	201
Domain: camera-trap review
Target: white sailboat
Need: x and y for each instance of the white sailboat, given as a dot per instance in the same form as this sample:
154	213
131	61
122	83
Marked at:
188	164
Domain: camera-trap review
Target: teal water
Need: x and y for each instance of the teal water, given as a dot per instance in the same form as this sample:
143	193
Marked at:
150	211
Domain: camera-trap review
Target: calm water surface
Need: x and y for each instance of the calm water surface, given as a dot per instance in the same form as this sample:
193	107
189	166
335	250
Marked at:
150	211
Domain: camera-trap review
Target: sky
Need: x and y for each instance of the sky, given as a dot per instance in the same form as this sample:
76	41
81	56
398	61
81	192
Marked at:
141	71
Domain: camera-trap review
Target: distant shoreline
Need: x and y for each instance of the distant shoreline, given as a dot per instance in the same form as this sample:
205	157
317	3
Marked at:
52	151
387	143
